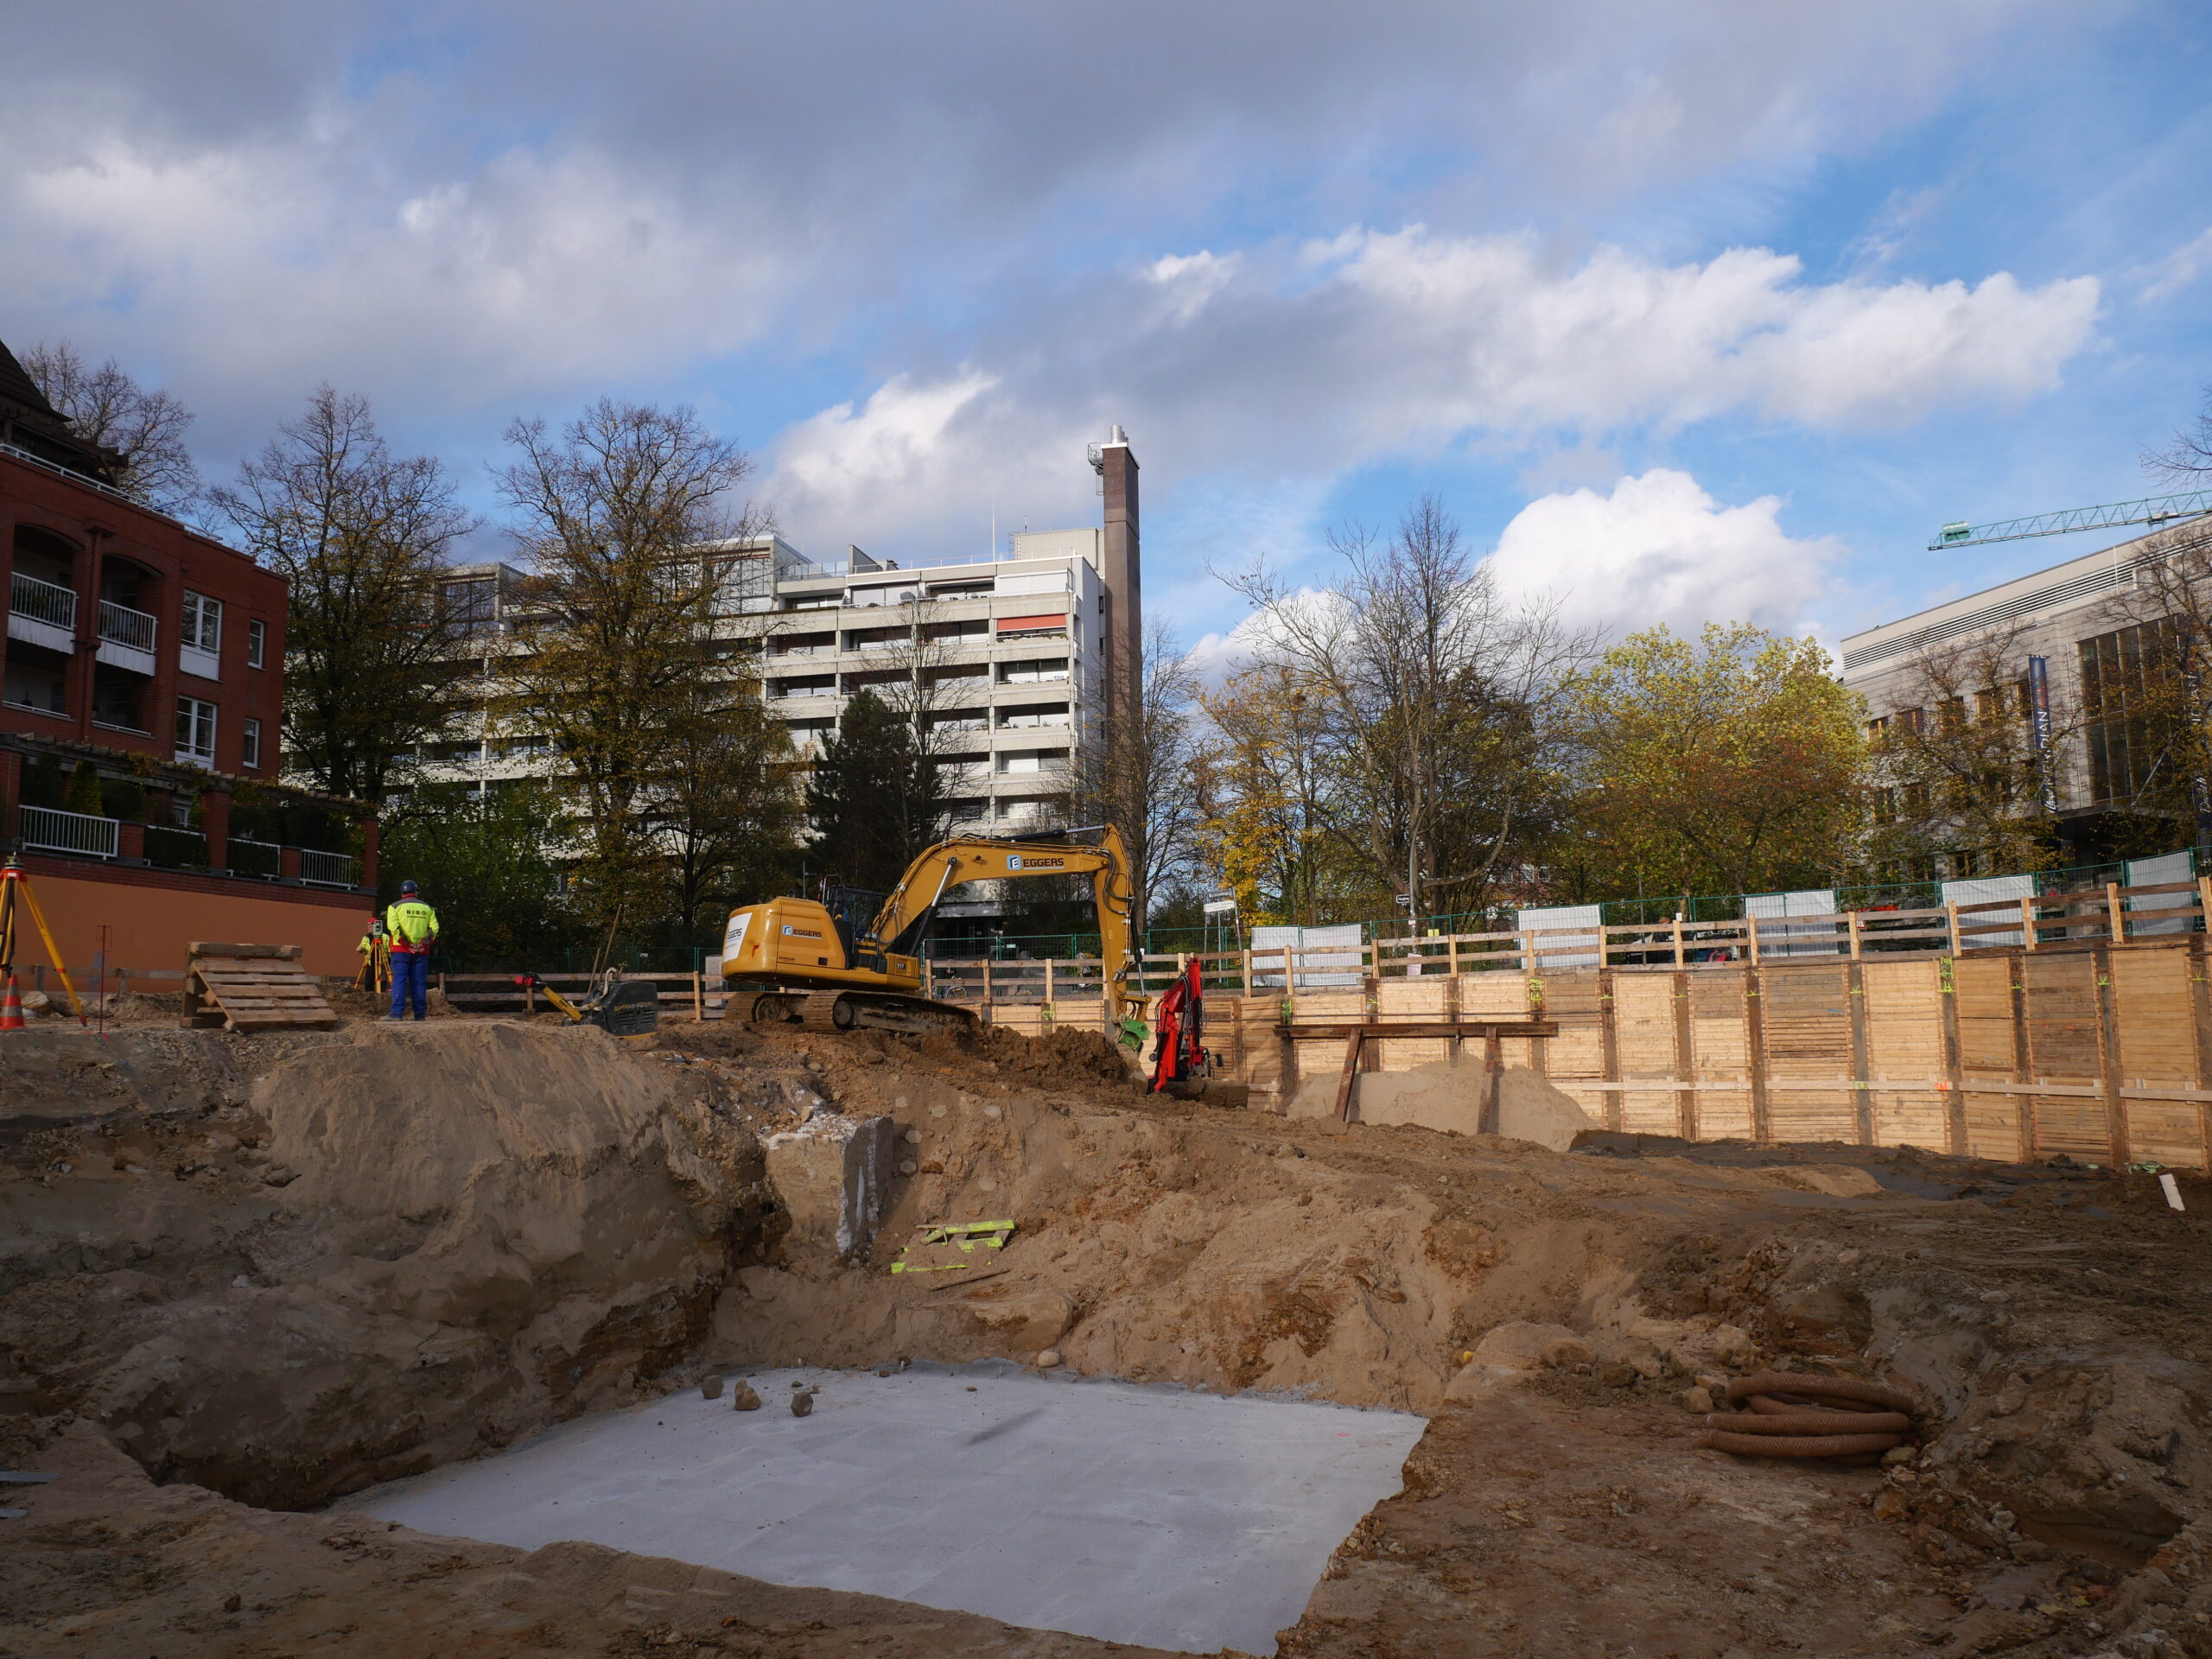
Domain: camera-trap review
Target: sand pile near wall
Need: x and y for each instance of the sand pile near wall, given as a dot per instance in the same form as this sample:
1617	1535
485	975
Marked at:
393	1247
1448	1097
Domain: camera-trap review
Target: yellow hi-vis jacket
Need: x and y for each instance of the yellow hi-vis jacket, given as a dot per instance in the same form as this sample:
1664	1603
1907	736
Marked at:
412	925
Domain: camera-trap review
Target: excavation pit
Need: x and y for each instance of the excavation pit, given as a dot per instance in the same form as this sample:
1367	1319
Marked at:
1138	1513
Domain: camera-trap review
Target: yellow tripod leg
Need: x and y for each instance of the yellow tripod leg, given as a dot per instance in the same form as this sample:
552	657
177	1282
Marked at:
39	916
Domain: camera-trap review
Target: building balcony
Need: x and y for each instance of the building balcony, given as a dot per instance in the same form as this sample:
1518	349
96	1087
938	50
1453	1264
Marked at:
41	612
49	829
126	638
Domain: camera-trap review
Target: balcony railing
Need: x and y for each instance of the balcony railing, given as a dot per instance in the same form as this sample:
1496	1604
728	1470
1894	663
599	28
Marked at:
121	625
55	832
42	601
171	848
328	869
264	859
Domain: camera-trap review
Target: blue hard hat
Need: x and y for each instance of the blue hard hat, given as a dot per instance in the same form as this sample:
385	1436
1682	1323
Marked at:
406	887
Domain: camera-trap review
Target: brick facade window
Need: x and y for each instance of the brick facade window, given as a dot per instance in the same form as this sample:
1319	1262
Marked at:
257	644
249	744
203	622
195	732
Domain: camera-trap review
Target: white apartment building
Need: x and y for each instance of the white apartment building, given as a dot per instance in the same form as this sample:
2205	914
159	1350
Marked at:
1013	662
2071	636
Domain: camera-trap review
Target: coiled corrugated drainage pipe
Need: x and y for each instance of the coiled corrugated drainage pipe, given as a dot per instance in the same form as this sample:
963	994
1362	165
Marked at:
1791	1415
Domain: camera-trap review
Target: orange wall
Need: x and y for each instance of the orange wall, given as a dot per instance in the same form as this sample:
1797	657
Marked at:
150	927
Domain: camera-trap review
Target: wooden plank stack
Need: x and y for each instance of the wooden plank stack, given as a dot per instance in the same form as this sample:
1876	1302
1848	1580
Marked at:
252	988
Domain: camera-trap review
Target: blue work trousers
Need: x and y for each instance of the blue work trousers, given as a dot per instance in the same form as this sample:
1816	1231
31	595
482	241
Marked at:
411	978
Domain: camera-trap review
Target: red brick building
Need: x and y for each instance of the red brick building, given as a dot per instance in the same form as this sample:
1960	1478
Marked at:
156	655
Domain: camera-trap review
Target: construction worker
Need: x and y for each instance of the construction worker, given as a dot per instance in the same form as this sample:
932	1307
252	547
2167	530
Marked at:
375	950
413	929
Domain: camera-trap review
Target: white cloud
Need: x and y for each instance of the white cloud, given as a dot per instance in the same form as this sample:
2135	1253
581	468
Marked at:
1286	366
543	195
253	269
1659	548
2162	278
1488	335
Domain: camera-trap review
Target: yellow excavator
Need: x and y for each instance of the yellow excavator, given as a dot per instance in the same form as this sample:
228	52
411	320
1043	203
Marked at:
806	965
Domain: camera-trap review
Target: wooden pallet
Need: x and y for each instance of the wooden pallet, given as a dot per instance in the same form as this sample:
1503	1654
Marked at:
252	988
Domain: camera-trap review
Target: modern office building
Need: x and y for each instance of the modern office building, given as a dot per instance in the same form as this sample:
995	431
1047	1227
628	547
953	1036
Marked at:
2073	633
155	655
1014	664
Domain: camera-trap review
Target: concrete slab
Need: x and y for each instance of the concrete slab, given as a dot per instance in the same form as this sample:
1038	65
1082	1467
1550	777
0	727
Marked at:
1128	1512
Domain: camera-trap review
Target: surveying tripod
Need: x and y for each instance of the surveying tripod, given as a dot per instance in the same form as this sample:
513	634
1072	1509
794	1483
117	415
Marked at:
15	896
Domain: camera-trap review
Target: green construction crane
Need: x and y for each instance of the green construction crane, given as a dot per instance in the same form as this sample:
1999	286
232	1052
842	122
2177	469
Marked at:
2154	509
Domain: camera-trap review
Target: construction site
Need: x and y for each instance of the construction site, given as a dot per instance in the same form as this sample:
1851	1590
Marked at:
1849	1306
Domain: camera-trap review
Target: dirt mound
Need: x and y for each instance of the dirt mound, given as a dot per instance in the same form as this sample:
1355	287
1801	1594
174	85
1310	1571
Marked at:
287	1265
393	1247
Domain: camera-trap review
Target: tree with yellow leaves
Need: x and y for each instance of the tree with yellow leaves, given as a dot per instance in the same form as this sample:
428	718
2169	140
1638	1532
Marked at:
1733	763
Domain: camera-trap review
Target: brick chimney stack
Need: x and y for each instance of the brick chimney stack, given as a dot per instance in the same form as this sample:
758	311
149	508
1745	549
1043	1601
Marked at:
1122	574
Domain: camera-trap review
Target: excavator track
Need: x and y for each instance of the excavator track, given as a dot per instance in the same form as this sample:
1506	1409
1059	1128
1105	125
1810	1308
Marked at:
837	1011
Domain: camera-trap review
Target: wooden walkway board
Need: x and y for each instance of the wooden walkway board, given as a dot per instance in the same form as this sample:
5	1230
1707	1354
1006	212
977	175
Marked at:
252	988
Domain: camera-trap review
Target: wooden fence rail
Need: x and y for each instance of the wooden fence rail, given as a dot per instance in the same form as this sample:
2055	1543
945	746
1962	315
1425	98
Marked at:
2094	1046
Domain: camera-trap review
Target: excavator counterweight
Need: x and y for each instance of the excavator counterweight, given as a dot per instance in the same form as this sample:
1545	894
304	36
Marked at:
804	964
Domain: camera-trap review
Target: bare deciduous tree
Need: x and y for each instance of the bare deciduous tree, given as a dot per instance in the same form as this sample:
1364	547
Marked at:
1966	766
1142	774
2147	696
361	535
143	429
615	514
1438	696
725	811
2186	458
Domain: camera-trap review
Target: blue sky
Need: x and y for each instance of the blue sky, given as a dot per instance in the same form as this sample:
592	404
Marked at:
1709	311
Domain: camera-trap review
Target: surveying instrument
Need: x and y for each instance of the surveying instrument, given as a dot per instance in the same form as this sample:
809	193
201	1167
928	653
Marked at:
15	897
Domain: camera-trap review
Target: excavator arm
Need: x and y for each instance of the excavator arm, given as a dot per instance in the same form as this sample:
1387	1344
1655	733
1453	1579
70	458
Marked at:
897	925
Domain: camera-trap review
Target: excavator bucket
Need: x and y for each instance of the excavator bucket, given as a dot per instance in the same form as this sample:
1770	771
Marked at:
630	1008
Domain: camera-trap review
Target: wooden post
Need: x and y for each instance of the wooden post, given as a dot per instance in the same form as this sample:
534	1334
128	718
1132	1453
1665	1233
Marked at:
1493	1082
2028	923
2205	915
2023	1059
1685	1052
1862	1095
1048	982
1678	941
1951	921
1754	1042
1353	1044
1452	950
1850	920
1609	1049
699	997
2119	916
2200	1011
1244	966
1954	1108
1752	932
2109	1055
987	981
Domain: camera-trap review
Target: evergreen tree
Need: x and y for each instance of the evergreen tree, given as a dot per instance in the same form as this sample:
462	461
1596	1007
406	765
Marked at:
876	798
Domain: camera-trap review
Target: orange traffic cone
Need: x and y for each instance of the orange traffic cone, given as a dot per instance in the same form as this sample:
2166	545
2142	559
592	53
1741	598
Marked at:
12	1006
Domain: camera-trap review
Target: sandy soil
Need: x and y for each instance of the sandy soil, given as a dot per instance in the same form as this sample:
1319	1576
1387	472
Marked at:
280	1268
